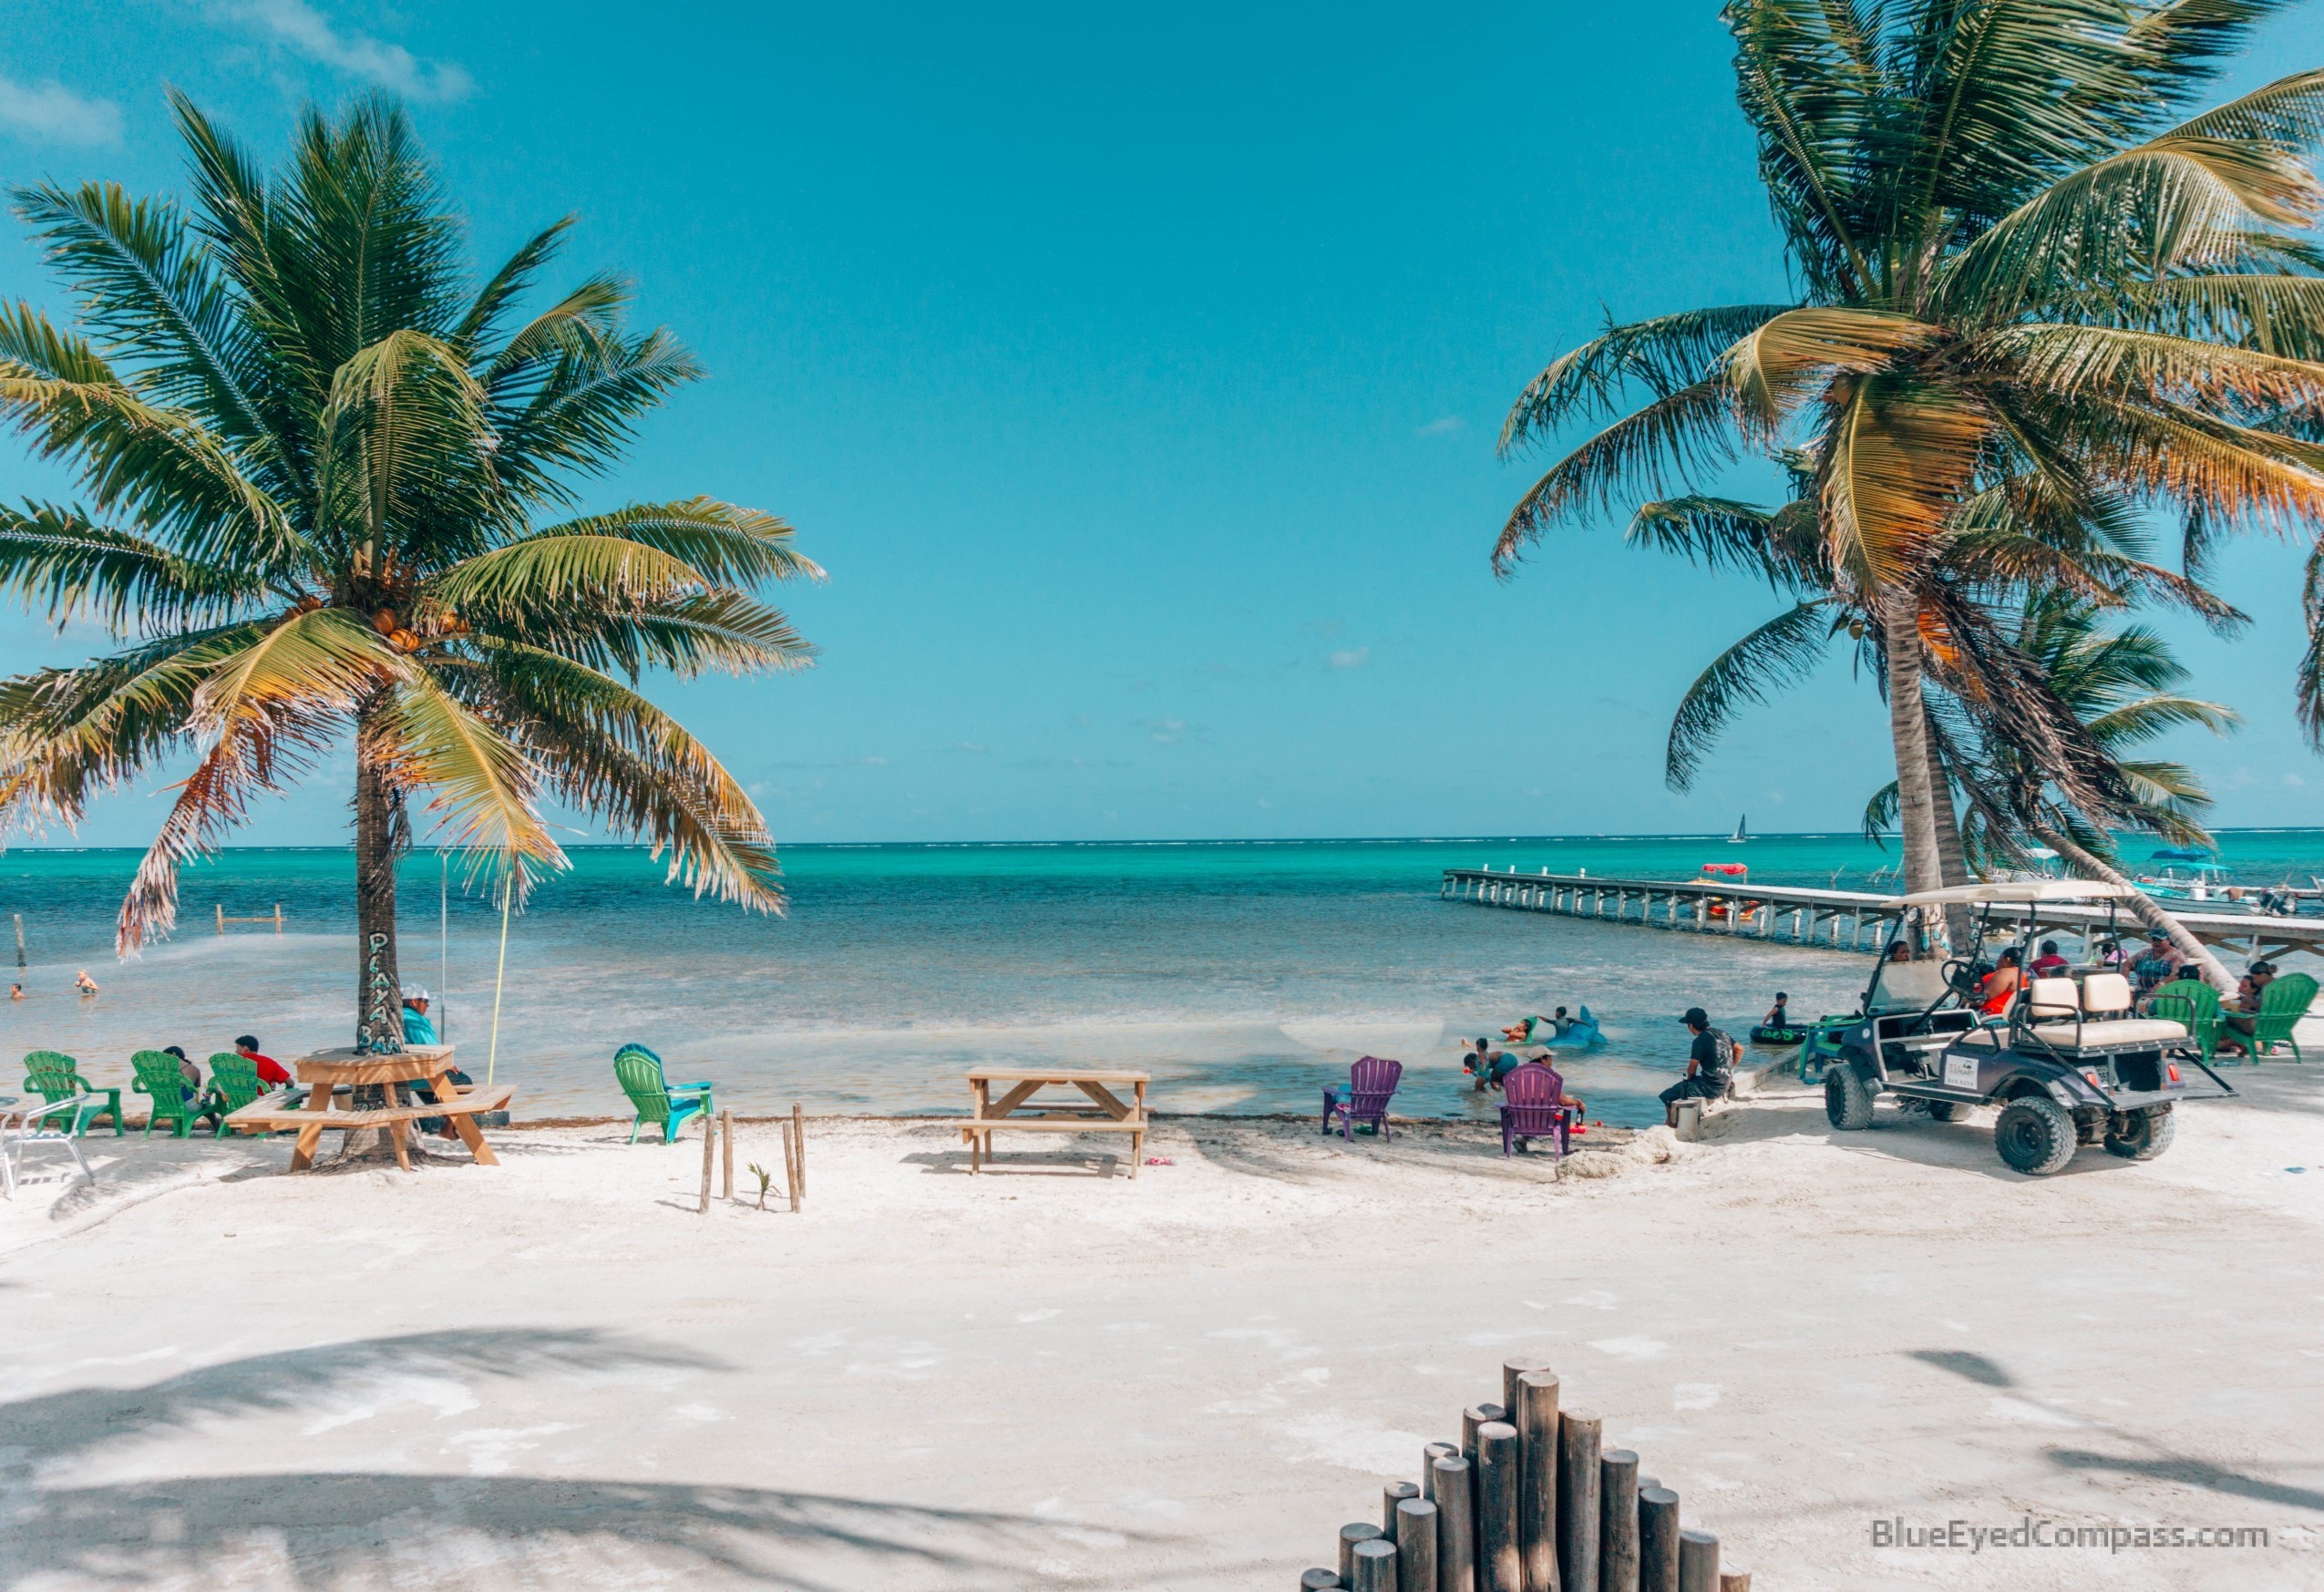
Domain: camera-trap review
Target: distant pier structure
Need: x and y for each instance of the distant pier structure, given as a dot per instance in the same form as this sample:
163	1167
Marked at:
1846	919
1843	920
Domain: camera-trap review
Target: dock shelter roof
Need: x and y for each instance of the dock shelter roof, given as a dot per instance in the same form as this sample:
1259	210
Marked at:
2021	892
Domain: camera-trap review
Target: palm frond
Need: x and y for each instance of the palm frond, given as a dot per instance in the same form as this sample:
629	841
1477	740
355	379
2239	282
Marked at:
1898	457
61	557
605	750
1783	652
1689	430
480	783
1661	355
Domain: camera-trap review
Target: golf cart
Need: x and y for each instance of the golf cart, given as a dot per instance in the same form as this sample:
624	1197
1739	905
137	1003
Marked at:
2069	1063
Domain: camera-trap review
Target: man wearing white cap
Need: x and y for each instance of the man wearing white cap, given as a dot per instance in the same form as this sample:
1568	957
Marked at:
418	1027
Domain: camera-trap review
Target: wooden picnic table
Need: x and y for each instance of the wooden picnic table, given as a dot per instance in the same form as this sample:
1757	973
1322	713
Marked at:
325	1071
1018	1107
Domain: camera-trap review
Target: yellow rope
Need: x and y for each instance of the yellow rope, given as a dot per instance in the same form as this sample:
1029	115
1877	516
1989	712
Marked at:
491	1059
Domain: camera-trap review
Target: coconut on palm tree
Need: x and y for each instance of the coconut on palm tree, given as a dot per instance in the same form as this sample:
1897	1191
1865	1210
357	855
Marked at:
2027	278
316	461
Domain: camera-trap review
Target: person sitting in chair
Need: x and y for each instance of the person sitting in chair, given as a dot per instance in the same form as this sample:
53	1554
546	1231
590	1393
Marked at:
2241	1015
2049	964
1997	989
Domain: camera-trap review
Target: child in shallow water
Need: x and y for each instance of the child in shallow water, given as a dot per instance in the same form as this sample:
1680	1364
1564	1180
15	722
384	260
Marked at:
1777	1017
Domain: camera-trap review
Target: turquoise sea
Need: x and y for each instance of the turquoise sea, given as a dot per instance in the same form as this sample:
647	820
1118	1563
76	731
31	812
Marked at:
1244	974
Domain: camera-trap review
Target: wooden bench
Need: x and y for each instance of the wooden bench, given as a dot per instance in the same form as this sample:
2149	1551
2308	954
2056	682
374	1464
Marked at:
1102	1111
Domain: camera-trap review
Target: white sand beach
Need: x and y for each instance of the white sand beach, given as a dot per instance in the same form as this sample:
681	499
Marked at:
556	1373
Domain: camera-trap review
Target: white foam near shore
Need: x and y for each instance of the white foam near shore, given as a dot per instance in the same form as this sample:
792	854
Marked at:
555	1371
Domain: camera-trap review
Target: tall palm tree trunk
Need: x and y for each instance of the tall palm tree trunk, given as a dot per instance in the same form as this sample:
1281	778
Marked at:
379	1007
1909	727
1952	857
2197	955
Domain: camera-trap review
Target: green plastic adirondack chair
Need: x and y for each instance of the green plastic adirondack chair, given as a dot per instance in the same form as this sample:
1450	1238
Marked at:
654	1098
2282	1004
2194	1005
234	1083
159	1078
55	1076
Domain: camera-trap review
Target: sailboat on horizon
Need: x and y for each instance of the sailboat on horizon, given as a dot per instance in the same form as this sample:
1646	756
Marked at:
1742	830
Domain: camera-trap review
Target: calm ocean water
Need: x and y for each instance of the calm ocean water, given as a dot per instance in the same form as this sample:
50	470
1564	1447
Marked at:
1242	974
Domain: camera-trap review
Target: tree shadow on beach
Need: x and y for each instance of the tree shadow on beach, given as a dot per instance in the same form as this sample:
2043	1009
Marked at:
2158	1462
47	1427
317	1531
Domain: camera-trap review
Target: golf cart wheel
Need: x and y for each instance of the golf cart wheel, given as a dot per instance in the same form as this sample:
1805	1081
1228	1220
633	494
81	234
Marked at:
2145	1134
1847	1102
1948	1110
2035	1135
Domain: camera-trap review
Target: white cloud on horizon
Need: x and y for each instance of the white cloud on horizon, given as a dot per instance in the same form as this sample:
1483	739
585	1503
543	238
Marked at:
301	27
1443	425
53	114
1349	658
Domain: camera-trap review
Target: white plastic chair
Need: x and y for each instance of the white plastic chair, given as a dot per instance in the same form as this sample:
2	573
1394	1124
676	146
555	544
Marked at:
21	1127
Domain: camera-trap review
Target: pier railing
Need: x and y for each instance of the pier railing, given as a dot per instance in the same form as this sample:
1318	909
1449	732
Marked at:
1845	919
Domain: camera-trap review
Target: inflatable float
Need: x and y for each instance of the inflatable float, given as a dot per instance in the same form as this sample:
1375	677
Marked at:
1581	1033
1763	1034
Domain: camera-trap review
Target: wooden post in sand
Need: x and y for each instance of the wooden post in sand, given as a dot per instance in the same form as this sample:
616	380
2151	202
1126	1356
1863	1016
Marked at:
1474	1416
1577	1438
1658	1540
1536	1420
1375	1566
1618	1521
1499	1566
790	1164
1428	1458
1352	1532
1316	1580
709	1154
1455	1526
1735	1581
798	1141
726	1126
1698	1562
1393	1493
1416	1545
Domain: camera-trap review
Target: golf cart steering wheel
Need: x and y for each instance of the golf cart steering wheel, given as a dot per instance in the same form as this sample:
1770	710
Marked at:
1961	976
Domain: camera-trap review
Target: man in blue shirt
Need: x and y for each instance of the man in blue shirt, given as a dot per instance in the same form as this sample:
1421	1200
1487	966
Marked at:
418	1027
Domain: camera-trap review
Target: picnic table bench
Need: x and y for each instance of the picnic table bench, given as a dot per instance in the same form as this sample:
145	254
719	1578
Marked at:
1018	1107
326	1071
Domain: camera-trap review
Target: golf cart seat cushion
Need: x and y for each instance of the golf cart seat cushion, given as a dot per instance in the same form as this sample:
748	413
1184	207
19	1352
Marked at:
2105	992
1910	986
2122	1031
2053	998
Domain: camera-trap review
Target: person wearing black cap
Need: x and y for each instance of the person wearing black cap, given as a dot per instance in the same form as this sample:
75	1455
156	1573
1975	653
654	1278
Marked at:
1711	1067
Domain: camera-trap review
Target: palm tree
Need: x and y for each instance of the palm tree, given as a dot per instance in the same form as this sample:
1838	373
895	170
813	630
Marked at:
312	458
2026	279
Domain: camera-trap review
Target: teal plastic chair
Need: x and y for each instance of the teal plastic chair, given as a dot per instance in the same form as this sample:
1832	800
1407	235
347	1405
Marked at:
654	1098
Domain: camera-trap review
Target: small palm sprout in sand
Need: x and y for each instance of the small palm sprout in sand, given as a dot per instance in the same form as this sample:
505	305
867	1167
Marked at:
766	1180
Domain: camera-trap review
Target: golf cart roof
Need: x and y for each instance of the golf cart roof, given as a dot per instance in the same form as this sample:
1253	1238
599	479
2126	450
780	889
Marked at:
2021	892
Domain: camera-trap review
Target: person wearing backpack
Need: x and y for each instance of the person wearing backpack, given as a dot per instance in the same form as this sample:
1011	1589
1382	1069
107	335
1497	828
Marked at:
1711	1063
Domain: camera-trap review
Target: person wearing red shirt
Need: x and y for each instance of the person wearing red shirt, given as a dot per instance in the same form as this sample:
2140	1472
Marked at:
2049	964
270	1071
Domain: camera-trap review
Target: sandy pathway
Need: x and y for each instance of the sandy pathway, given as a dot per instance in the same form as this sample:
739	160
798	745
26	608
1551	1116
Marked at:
556	1373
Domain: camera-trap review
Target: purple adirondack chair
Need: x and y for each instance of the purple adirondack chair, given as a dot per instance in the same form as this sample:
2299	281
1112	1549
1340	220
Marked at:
1372	1083
1533	1106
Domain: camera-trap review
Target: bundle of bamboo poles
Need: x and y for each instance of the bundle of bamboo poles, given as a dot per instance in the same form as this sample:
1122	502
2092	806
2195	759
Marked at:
1528	1500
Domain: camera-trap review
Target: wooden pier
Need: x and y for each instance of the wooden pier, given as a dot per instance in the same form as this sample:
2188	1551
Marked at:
1844	919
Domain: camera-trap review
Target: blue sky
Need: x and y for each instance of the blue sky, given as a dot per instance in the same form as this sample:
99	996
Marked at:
1135	371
